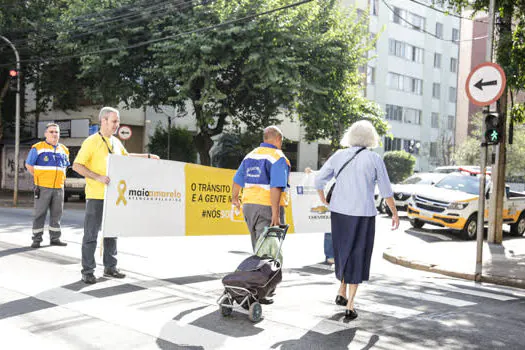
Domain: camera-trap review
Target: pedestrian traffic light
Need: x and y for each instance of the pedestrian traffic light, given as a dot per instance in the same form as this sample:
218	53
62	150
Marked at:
13	80
493	129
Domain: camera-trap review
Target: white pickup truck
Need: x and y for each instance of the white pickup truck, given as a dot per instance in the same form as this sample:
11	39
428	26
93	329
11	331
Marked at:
453	203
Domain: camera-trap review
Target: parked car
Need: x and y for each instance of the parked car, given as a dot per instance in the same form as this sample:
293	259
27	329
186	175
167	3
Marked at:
404	190
459	168
453	203
74	185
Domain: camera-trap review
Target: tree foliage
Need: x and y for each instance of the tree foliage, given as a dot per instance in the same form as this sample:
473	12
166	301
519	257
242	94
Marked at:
218	60
399	165
468	153
181	144
232	147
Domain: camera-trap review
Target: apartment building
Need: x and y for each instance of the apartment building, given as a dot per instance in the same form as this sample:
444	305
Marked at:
413	75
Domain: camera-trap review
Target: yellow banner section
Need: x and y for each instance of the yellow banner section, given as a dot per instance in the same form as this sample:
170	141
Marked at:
209	203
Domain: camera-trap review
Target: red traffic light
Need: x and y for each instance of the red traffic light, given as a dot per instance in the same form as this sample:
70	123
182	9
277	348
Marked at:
13	73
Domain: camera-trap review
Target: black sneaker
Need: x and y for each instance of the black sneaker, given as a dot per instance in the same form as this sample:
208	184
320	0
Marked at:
115	273
266	301
35	245
58	242
89	278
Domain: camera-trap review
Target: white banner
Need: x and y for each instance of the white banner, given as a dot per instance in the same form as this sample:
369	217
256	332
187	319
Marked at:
145	197
309	213
149	197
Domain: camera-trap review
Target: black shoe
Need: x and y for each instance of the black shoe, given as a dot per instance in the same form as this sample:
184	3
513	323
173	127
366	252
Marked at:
58	242
115	273
350	315
266	301
35	245
341	300
89	278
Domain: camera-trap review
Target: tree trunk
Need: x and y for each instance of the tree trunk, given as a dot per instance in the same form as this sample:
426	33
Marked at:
204	144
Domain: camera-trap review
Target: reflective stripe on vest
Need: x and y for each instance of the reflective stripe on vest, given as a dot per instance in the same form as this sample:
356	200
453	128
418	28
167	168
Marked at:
50	165
257	165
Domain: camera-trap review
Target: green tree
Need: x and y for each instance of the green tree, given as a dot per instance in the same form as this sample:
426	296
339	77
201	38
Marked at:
399	165
181	143
468	152
232	147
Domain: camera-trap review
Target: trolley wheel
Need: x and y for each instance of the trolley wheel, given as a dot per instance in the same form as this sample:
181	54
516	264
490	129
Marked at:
255	314
227	310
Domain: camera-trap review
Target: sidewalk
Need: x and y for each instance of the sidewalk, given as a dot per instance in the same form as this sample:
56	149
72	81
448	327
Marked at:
443	252
25	198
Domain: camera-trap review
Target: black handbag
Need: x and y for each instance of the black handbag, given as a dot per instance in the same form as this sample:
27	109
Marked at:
331	190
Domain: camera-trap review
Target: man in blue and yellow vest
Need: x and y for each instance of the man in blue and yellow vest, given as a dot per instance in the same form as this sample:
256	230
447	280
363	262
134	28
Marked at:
47	161
263	174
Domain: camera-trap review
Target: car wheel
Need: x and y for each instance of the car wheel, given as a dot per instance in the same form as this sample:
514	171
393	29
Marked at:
82	197
66	198
416	223
470	229
518	228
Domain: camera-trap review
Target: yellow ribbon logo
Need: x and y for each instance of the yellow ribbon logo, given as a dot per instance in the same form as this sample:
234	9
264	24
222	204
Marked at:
121	191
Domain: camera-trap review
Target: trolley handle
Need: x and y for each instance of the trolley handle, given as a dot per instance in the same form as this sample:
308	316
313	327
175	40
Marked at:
277	231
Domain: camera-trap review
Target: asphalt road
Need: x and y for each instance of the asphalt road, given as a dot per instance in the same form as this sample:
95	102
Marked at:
168	300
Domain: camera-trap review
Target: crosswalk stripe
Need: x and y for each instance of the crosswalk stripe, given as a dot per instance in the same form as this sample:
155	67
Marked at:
451	288
418	295
385	309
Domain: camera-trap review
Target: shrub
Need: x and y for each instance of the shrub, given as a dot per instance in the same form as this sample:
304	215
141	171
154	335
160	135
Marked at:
399	164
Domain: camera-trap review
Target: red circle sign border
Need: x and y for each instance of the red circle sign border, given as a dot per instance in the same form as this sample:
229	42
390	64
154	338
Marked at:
503	78
130	132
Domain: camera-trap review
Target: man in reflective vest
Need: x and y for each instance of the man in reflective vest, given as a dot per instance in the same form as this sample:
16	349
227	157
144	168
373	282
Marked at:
47	162
263	174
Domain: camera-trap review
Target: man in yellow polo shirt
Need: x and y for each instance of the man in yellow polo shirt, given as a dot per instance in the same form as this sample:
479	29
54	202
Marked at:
91	162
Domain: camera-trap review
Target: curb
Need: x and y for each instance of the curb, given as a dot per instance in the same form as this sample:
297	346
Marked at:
422	266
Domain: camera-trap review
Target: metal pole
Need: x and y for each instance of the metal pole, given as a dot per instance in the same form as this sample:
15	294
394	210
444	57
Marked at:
17	121
483	161
169	136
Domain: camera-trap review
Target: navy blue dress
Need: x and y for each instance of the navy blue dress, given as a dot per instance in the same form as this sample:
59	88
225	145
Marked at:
353	240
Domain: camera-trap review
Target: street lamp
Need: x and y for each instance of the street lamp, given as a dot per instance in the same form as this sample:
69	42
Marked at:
17	120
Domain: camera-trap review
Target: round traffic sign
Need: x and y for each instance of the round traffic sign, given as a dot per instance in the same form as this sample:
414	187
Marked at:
124	132
485	84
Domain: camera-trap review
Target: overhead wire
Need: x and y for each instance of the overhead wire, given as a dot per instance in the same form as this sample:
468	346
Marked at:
425	31
152	41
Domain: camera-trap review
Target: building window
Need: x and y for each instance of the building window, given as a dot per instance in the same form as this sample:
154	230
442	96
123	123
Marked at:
453	65
433	149
437	60
435	120
417	54
407	19
370	75
455	35
436	91
452	94
404	83
374	7
411	146
450	124
396	48
394	113
439	30
412	116
417	21
392	144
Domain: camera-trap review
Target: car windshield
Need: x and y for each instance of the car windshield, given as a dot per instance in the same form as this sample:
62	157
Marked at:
469	184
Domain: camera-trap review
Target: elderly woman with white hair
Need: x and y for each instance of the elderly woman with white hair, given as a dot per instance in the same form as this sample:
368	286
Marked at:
357	170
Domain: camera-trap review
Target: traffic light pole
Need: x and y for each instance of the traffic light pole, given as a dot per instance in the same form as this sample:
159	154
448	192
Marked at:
17	122
483	160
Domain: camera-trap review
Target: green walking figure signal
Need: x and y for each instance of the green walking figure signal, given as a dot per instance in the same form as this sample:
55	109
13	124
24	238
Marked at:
493	129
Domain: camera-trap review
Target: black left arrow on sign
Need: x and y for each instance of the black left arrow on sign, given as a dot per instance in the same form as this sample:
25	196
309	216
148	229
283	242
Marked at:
480	84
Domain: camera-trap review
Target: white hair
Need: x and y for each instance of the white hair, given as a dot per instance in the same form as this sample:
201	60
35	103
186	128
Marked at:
105	111
361	133
272	132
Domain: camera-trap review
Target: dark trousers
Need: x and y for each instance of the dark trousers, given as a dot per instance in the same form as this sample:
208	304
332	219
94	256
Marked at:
92	224
258	217
51	199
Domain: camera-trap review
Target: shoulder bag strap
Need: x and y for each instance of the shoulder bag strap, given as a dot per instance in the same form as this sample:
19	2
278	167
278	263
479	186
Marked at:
348	161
